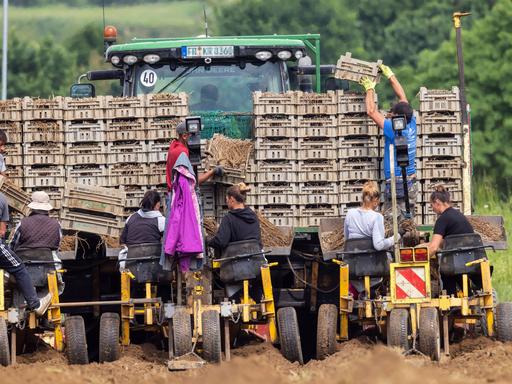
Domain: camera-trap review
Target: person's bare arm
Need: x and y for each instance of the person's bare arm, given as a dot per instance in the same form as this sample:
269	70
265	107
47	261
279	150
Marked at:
3	229
398	89
204	177
435	244
371	109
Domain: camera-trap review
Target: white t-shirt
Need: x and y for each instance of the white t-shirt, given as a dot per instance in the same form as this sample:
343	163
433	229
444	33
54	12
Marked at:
361	223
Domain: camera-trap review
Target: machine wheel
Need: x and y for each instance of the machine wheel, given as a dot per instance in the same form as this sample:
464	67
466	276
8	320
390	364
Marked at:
182	332
211	336
289	336
504	321
398	329
5	356
109	337
429	332
76	343
326	331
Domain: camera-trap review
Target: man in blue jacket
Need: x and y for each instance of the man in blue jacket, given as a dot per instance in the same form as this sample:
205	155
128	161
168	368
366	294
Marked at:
401	108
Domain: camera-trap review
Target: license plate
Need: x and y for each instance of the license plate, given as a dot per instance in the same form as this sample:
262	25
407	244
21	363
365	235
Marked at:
208	51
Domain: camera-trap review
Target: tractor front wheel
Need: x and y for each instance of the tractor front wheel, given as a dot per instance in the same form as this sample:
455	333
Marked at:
211	336
76	343
504	321
109	337
5	356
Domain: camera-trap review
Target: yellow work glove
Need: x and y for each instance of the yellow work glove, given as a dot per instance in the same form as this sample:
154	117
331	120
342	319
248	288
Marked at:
367	83
386	71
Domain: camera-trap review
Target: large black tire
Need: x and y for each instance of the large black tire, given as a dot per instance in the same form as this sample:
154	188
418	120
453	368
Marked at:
289	335
211	336
5	356
429	332
326	331
76	343
109	337
504	321
182	332
398	329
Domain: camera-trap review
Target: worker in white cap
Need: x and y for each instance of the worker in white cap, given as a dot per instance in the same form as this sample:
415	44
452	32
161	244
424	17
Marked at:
10	262
38	230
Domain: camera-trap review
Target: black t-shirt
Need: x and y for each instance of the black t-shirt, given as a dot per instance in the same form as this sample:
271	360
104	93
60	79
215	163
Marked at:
452	222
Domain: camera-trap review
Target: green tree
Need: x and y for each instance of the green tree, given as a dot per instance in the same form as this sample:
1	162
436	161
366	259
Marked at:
333	19
39	69
488	70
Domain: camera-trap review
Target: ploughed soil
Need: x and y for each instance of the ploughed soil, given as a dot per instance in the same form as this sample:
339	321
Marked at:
477	360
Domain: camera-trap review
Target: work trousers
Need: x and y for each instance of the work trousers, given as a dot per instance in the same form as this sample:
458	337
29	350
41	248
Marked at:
14	265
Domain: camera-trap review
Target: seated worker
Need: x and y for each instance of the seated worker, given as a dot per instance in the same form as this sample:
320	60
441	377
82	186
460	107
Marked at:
365	223
38	230
240	223
209	99
450	221
146	226
179	146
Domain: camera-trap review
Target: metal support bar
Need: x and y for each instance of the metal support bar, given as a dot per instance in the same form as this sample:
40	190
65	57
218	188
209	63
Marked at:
245	302
127	309
54	314
108	302
489	303
344	304
446	335
13	345
268	302
393	201
227	341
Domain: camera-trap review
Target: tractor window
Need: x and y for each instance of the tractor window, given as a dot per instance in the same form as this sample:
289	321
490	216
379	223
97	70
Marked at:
218	87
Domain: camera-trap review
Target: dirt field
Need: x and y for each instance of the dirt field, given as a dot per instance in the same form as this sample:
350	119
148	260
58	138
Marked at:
473	361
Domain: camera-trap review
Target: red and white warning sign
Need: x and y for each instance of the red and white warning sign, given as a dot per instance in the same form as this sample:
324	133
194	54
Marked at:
410	283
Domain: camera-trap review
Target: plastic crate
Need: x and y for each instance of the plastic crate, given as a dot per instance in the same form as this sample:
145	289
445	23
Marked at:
16	197
15	174
92	175
432	168
42	109
439	100
351	69
358	152
440	146
275	172
362	174
50	176
317	126
440	123
352	103
317	171
281	149
344	207
125	130
96	199
13	154
161	129
317	149
128	174
318	193
10	110
167	104
269	103
310	216
279	215
124	107
270	194
358	141
351	192
352	125
134	195
453	186
127	152
101	225
157	173
85	153
43	131
84	131
157	151
43	154
268	126
317	103
13	131
84	108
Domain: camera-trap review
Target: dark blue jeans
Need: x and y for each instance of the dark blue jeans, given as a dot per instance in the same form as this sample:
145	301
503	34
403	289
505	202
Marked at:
13	264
